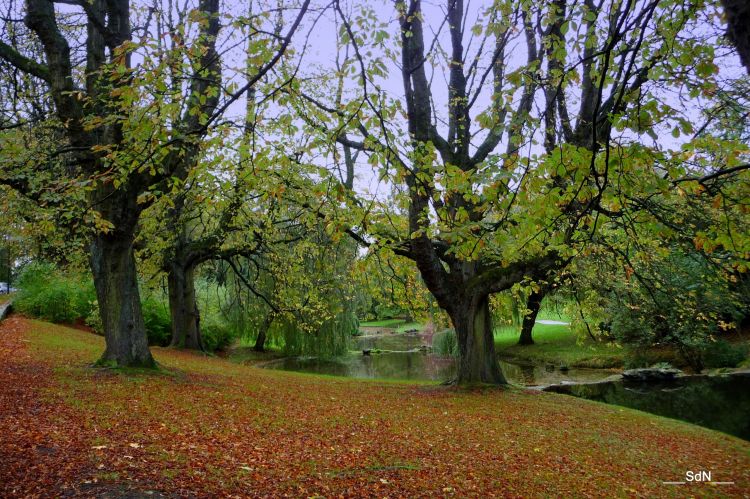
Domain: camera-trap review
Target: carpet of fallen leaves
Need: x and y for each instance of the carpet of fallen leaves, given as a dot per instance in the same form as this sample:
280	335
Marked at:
205	427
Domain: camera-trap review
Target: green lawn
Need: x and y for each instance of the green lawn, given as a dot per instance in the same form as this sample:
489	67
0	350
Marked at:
400	325
409	325
556	344
383	323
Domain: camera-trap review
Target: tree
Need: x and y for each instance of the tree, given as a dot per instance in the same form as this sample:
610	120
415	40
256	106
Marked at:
99	144
129	140
533	304
492	201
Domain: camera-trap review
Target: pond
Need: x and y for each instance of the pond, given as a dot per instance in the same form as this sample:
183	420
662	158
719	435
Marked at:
403	356
718	402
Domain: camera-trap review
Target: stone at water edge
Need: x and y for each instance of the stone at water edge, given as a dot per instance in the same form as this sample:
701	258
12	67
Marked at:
651	374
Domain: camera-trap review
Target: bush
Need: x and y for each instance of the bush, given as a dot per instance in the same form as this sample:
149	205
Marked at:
724	354
155	318
49	294
445	343
94	320
685	304
635	361
216	334
157	321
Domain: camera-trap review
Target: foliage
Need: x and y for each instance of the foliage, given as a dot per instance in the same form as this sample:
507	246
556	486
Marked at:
392	288
507	308
155	317
216	334
66	296
157	321
722	353
445	343
683	302
51	294
331	338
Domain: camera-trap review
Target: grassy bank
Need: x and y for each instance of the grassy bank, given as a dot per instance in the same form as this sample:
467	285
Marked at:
389	323
556	344
207	427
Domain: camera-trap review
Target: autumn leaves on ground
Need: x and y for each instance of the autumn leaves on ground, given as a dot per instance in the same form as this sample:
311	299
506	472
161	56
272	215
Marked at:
204	427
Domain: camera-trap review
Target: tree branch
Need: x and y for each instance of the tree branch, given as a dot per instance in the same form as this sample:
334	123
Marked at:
23	63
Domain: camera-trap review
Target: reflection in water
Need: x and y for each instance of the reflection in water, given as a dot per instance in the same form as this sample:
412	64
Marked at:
718	402
402	359
407	365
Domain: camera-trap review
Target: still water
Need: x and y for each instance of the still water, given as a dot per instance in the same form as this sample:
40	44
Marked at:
402	356
718	402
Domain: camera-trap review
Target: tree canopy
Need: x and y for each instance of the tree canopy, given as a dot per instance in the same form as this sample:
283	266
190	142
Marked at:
491	146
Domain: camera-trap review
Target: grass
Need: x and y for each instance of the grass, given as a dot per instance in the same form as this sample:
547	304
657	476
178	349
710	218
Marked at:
399	325
556	344
383	323
5	298
409	326
246	355
215	428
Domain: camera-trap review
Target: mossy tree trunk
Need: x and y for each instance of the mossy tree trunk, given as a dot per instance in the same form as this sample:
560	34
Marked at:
477	360
183	307
116	282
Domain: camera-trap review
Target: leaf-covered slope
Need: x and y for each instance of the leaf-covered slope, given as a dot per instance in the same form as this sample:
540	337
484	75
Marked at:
207	427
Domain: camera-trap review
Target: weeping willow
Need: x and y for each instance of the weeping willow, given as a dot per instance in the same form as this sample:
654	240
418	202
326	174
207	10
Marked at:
329	340
312	312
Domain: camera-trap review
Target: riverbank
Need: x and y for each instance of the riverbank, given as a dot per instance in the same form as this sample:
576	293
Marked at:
207	427
719	400
555	344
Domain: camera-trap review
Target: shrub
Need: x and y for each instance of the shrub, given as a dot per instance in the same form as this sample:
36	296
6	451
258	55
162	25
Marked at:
49	294
724	354
157	321
94	320
635	361
684	305
155	318
445	343
216	334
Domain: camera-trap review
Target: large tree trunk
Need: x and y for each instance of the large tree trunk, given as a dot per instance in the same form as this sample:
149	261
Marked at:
183	308
533	303
115	279
478	361
738	28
